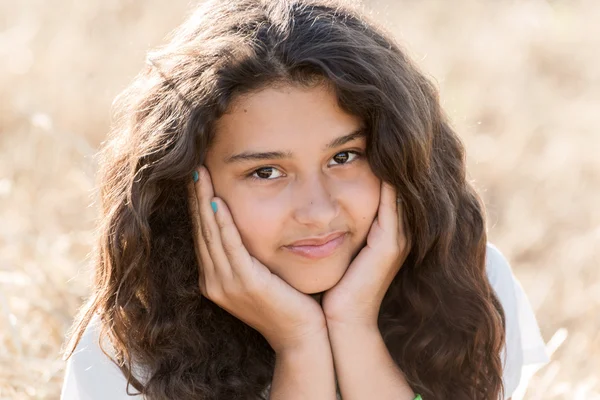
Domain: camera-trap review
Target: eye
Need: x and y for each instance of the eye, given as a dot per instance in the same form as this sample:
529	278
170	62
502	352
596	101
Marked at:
270	173
264	173
345	157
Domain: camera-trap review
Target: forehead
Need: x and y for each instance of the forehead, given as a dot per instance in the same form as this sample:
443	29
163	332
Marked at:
283	117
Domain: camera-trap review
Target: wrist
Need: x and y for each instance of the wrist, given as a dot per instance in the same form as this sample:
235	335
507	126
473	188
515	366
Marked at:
353	316
303	344
304	370
358	325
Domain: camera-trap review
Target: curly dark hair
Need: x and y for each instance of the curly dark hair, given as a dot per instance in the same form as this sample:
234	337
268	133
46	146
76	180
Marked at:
440	319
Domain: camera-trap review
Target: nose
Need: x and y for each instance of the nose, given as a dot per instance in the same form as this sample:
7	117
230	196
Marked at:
315	202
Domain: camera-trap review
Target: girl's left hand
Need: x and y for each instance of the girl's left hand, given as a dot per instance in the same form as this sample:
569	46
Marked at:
357	297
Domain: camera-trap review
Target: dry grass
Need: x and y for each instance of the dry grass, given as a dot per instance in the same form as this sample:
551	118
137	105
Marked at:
521	81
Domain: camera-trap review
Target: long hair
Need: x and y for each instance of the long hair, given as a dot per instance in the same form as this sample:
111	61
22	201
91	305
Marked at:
440	319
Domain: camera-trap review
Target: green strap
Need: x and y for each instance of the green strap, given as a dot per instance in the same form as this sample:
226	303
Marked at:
418	397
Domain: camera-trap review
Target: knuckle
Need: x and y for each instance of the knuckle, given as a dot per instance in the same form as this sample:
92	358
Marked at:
213	293
220	221
202	286
207	234
403	244
393	250
204	261
253	287
230	288
230	251
203	290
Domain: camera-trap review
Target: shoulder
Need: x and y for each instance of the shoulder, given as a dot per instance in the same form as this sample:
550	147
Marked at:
501	277
90	374
524	343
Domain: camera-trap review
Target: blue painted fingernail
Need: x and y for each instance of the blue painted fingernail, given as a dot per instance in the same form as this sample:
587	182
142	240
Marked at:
195	176
214	206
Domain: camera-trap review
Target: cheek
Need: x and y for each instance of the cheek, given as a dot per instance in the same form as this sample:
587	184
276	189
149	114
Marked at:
258	223
362	199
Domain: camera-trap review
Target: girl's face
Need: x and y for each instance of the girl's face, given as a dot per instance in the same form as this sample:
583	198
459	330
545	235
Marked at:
290	165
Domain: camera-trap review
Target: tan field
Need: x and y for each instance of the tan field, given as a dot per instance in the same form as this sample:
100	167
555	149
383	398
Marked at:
520	80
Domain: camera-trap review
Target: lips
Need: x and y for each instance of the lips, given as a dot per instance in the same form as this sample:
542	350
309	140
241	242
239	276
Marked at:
327	245
316	241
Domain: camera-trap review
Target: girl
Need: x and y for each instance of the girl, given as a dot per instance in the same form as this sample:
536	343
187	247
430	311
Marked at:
285	213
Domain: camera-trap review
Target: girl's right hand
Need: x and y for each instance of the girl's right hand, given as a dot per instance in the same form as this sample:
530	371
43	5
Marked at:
240	284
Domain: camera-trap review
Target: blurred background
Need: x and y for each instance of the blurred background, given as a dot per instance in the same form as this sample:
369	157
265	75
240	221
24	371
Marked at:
520	80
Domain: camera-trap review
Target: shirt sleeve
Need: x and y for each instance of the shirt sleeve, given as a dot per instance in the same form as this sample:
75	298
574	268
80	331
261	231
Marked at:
524	343
91	375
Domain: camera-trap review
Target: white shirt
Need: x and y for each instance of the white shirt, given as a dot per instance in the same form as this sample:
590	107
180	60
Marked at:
91	375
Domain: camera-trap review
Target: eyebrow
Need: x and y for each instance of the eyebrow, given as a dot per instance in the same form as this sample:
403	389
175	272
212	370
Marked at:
279	155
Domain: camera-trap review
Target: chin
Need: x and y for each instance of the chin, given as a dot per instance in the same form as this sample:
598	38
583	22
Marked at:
313	277
313	288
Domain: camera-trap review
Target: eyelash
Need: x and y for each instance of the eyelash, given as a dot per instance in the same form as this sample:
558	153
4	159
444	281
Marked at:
251	176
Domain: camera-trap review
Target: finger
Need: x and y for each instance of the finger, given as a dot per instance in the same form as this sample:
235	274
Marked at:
205	265
400	223
234	248
195	216
402	237
387	214
207	268
209	228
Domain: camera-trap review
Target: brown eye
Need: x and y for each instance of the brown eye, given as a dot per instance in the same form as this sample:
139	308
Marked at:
345	157
341	157
264	173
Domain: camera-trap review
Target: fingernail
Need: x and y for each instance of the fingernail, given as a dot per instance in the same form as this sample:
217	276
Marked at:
214	206
195	176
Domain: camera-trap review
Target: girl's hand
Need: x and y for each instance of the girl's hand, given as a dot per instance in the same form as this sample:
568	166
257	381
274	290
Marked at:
239	283
356	298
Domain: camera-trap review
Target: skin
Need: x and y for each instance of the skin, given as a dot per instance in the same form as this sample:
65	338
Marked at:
314	192
244	269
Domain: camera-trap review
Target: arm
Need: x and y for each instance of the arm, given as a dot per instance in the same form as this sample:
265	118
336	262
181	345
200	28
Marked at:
305	371
365	369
